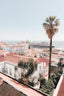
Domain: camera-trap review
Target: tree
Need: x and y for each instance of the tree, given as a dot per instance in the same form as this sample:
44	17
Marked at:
48	86
32	65
56	76
21	63
42	81
28	67
50	26
35	65
35	55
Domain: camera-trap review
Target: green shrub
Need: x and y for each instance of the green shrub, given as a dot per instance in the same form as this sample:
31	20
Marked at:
48	86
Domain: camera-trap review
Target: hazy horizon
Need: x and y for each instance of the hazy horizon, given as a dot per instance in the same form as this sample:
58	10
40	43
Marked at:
57	44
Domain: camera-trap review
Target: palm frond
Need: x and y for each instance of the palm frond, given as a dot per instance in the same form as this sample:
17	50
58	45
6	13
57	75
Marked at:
51	26
46	26
57	22
47	20
52	18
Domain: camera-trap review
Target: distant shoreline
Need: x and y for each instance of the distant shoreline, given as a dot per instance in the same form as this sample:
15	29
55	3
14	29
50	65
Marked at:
57	44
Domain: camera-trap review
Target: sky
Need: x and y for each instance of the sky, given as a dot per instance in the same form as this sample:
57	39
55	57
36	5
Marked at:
23	19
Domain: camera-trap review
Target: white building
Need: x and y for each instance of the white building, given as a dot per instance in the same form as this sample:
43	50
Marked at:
9	66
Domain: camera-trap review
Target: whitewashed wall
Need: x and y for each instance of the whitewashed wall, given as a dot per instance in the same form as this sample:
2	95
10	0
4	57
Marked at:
9	69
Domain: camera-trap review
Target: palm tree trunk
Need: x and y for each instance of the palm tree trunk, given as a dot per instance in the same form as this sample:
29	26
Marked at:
49	71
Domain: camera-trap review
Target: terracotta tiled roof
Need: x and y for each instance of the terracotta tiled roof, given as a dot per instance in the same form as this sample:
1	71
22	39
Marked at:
21	87
12	45
62	54
2	58
2	52
4	43
14	58
55	56
7	90
56	50
44	60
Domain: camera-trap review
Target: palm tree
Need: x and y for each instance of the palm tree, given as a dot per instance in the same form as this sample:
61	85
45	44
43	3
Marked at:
50	26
